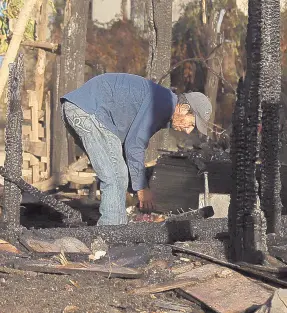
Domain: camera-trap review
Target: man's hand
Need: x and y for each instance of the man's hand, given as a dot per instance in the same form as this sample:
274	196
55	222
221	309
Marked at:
146	199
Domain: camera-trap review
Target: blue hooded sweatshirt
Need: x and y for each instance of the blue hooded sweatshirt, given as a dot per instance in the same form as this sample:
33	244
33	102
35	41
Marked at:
131	107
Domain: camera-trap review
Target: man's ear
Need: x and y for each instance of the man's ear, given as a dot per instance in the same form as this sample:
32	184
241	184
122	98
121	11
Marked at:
182	109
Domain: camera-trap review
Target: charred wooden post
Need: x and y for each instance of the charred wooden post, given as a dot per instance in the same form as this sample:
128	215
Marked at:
72	216
160	33
246	221
13	147
73	54
237	151
270	84
69	74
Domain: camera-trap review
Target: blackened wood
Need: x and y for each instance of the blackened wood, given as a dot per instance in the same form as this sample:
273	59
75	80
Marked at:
247	223
13	147
238	147
270	84
160	33
156	233
72	216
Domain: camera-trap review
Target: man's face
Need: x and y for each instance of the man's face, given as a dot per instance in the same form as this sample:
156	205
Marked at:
182	120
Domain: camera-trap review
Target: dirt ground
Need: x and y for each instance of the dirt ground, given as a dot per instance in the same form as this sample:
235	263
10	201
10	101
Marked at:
82	293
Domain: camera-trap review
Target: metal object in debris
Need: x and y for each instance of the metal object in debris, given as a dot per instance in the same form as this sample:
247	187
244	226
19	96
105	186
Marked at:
206	189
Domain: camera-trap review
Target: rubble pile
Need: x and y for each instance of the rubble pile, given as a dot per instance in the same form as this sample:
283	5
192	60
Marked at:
202	150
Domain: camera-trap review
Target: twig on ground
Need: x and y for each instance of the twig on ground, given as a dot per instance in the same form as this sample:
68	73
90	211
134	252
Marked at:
9	270
243	269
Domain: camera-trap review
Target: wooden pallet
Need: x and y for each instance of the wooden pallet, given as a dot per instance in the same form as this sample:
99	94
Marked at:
36	140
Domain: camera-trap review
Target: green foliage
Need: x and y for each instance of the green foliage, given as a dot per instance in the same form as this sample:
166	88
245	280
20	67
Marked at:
10	14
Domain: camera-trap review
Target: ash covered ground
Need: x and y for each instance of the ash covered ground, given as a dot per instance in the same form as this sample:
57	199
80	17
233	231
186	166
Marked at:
93	293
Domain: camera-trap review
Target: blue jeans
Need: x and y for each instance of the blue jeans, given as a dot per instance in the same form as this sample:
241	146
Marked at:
104	150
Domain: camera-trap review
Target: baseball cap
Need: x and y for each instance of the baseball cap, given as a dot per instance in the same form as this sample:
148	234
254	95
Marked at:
202	108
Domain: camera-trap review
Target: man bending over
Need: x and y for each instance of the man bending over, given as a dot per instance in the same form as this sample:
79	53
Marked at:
115	115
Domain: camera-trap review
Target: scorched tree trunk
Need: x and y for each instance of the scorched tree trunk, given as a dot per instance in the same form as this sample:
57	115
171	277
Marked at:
160	33
72	65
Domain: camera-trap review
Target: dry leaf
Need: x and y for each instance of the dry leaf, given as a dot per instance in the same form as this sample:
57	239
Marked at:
71	309
74	283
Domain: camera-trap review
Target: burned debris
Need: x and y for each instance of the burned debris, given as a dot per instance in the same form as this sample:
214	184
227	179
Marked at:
247	228
14	160
199	255
270	84
71	216
253	205
12	170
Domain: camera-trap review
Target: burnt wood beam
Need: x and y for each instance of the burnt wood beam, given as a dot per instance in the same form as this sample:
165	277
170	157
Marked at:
270	86
247	224
157	233
13	147
142	232
51	47
72	216
237	152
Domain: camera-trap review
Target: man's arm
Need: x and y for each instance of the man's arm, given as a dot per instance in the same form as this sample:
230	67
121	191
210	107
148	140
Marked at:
154	114
135	145
135	155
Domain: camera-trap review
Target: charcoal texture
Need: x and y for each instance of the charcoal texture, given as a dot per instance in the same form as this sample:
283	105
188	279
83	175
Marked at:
247	223
270	86
159	233
237	151
155	233
13	147
72	216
